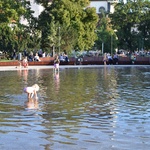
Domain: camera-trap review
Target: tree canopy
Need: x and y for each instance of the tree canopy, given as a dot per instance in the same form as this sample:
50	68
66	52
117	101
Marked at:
68	25
13	34
132	21
76	20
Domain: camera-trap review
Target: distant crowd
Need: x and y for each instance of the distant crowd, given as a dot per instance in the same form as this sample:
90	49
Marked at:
30	56
35	56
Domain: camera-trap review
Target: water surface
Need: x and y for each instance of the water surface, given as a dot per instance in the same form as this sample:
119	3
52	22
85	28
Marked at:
78	109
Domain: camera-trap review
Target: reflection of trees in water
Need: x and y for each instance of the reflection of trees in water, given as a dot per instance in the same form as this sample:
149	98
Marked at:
109	83
80	90
83	91
10	83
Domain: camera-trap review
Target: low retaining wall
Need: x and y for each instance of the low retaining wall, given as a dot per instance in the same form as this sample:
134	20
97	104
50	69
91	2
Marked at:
121	61
142	60
92	61
10	63
81	61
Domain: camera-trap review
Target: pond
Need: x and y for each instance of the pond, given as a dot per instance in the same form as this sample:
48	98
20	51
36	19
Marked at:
91	108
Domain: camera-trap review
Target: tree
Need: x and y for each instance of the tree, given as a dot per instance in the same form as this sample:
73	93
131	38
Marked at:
76	21
105	35
10	12
15	35
52	37
131	21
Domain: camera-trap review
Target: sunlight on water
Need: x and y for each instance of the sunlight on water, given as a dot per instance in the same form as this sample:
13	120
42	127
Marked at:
89	108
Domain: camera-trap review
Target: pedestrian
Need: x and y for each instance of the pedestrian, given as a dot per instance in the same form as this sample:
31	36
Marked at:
56	63
105	59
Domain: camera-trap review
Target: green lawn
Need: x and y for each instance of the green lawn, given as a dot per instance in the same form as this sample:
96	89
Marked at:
6	60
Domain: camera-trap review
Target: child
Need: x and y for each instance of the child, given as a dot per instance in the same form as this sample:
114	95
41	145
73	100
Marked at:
56	63
25	62
31	91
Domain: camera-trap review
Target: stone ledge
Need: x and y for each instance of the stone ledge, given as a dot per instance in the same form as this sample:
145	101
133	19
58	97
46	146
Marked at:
84	61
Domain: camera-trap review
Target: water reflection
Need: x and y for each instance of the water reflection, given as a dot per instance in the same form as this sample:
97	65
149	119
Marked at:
31	103
57	81
89	108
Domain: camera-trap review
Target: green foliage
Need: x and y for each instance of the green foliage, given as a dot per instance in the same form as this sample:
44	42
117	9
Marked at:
105	33
10	10
77	23
132	23
14	35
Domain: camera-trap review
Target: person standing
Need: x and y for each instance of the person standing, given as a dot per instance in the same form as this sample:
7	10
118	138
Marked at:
105	59
25	62
56	63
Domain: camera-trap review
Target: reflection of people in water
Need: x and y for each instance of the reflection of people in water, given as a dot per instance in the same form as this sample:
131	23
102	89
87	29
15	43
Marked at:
105	73
32	103
56	78
25	74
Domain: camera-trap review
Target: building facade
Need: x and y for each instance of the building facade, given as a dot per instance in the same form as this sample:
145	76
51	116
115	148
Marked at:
105	5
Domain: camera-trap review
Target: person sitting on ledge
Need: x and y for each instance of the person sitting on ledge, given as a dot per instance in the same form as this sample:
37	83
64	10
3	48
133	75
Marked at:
61	58
36	57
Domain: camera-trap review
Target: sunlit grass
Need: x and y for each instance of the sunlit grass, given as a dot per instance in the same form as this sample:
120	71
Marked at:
6	60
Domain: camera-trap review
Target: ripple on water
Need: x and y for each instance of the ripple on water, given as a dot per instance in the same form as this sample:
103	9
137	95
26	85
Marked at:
109	109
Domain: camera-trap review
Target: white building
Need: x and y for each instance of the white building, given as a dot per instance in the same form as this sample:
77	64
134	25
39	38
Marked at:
105	5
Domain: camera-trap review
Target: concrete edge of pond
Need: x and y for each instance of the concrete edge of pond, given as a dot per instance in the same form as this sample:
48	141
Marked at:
10	68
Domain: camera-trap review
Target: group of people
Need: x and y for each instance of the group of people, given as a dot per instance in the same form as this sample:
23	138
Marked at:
26	59
108	59
35	57
63	57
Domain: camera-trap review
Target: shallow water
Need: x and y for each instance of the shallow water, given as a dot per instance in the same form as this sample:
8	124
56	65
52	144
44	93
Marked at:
105	108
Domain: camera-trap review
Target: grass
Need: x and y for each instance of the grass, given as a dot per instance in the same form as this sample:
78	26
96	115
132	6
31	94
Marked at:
6	60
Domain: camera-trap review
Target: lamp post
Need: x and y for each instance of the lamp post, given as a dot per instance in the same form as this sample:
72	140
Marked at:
111	43
59	40
102	47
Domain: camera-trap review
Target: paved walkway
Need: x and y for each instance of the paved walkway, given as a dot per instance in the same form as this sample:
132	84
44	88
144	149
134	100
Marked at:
10	68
